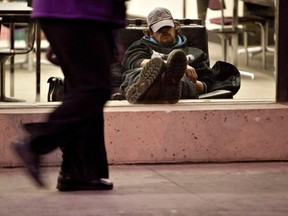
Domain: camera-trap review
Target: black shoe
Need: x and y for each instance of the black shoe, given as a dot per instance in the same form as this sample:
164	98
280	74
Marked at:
150	73
176	67
67	183
30	160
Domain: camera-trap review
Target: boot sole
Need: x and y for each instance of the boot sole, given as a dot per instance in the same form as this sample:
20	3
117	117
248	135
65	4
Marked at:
151	72
176	66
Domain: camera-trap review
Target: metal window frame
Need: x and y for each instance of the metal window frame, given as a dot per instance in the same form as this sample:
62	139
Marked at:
281	60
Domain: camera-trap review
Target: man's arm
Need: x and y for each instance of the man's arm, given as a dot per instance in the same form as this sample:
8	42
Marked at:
202	74
135	55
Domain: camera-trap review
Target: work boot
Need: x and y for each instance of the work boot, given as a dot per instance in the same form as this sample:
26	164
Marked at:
148	88
176	67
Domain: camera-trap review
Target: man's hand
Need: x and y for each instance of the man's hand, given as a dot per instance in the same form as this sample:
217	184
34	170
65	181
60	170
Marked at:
191	74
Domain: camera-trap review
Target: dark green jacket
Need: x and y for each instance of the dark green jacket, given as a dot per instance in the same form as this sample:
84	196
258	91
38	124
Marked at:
145	48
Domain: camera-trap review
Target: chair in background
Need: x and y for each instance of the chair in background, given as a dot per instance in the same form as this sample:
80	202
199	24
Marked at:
230	27
11	51
227	32
268	13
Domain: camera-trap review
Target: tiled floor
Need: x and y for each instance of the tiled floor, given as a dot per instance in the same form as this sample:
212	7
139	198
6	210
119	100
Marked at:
237	189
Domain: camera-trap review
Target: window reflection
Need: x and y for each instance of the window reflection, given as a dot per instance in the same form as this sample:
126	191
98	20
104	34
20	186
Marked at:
263	87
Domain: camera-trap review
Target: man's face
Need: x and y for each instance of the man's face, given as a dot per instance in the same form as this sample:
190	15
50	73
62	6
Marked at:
166	36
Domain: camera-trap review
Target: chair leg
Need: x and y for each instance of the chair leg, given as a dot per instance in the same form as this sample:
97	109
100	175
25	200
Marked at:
227	41
224	45
263	43
234	46
12	74
224	48
2	81
246	48
260	49
3	97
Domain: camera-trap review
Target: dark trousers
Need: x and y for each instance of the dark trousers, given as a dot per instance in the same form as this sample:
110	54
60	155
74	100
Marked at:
84	49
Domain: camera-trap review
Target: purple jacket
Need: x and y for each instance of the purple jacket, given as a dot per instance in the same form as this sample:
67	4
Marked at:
108	11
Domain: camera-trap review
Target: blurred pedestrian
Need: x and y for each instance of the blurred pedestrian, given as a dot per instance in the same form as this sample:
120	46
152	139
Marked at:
81	35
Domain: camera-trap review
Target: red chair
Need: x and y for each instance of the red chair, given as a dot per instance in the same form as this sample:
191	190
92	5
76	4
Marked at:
226	30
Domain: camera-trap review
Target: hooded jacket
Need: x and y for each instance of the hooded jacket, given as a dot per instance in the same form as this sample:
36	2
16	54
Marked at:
147	48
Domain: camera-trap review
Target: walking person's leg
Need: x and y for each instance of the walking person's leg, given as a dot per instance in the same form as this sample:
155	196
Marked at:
84	49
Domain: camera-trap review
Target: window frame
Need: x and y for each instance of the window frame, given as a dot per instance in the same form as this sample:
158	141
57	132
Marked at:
281	60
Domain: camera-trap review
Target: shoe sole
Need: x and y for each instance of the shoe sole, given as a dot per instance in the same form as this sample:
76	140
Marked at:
150	72
80	188
25	155
68	187
176	66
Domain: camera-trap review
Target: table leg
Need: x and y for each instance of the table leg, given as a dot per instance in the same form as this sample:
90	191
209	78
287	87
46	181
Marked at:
38	62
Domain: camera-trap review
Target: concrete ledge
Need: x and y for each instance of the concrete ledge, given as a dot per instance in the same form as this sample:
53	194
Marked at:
190	131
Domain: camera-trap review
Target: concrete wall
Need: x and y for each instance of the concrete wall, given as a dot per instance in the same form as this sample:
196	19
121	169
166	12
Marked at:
184	132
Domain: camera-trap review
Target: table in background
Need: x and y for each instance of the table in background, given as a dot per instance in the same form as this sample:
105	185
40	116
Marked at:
268	3
22	10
